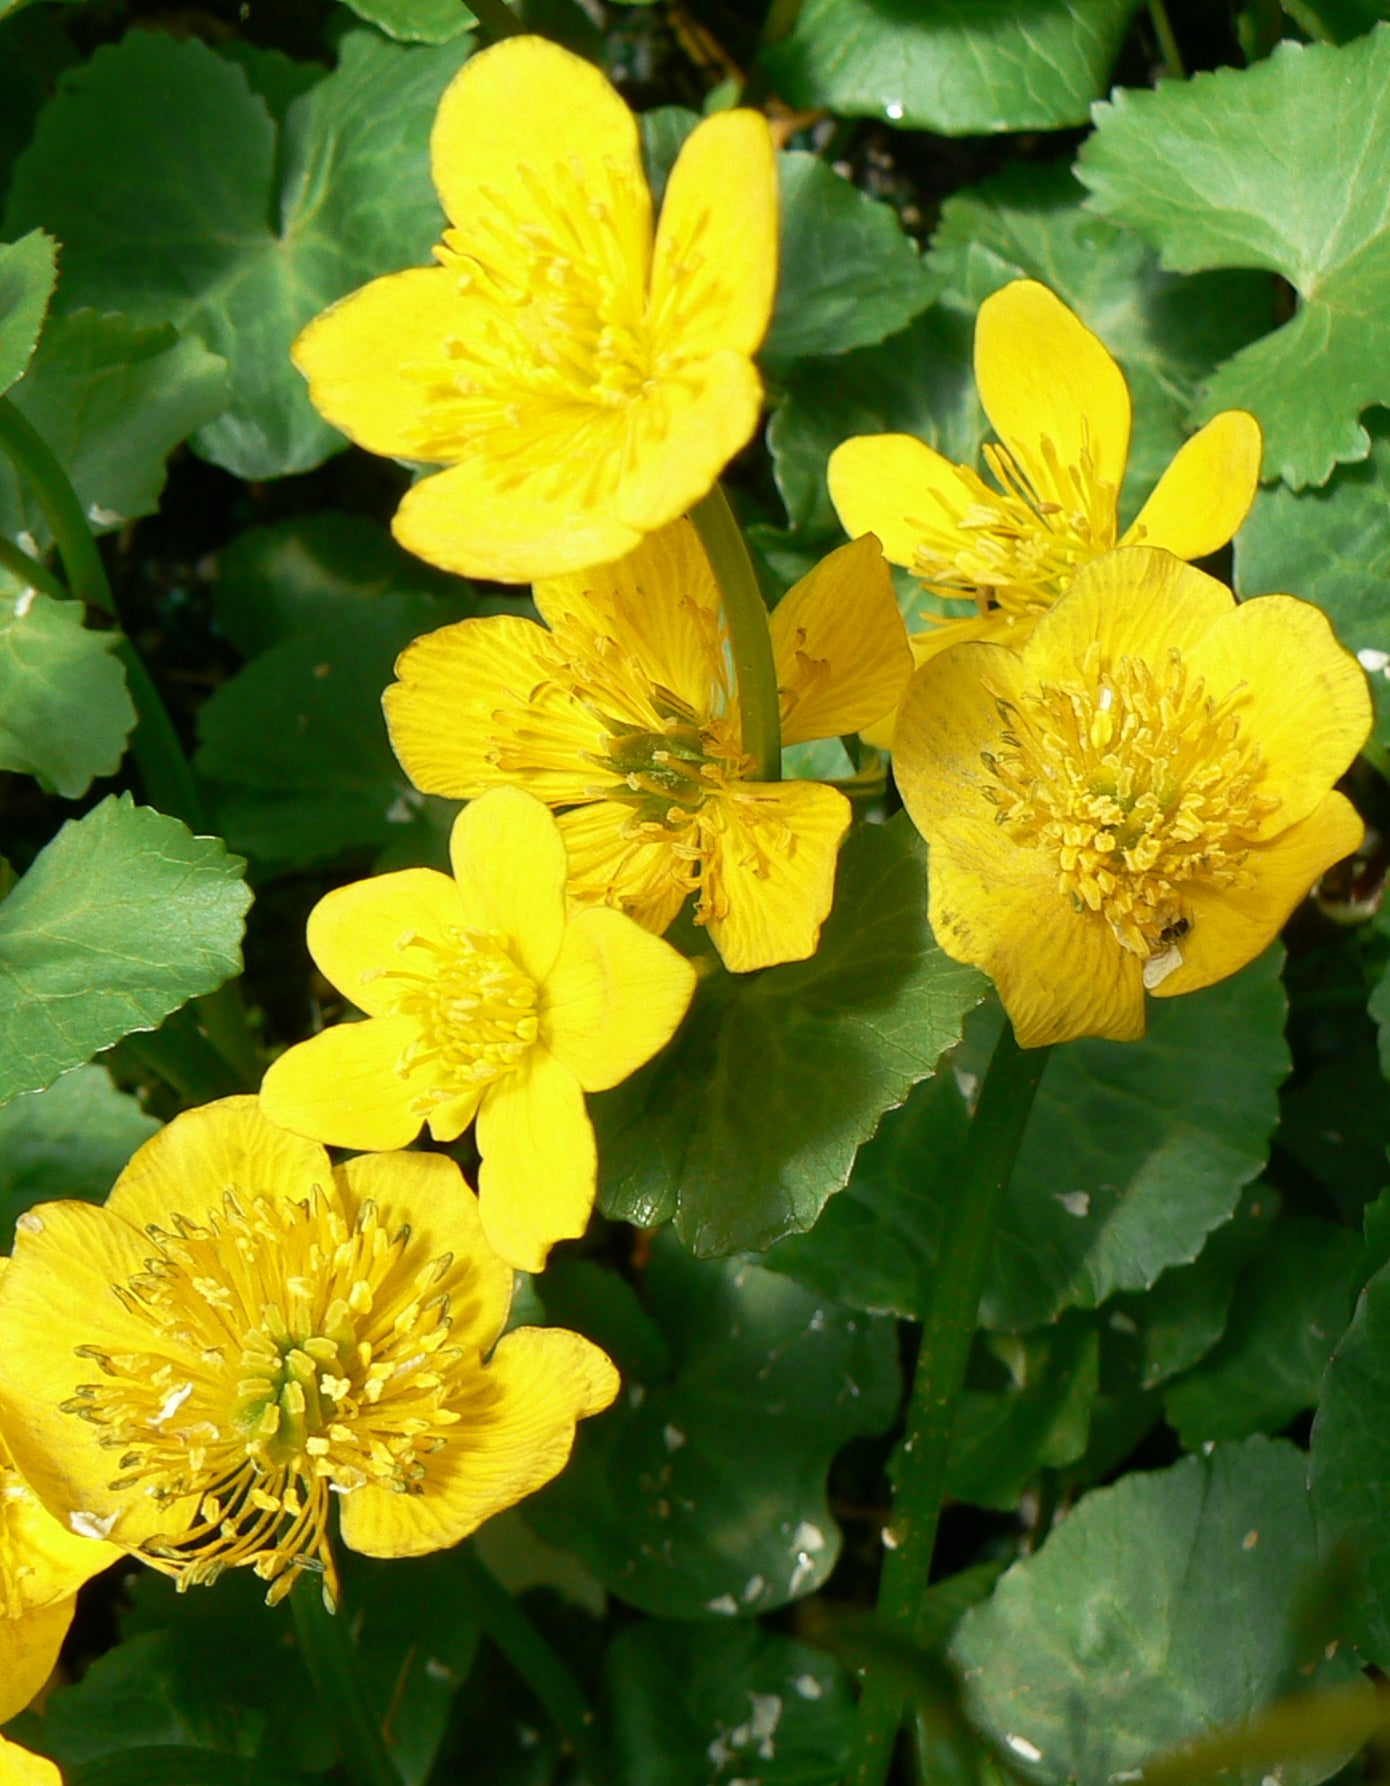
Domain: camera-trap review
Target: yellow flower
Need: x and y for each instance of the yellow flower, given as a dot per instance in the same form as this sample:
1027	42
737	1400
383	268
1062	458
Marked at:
243	1328
19	1767
42	1565
1136	799
486	999
1061	409
621	709
583	377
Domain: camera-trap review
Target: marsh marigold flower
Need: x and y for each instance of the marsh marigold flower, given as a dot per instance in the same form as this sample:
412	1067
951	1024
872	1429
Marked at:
582	376
621	710
1012	543
246	1334
486	999
20	1767
1135	800
42	1565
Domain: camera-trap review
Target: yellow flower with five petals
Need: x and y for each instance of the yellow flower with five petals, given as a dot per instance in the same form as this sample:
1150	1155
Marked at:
1061	409
485	1000
620	710
245	1334
1137	798
582	375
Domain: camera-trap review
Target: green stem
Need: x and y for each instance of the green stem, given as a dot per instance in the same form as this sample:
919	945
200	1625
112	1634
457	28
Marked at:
996	1133
1167	40
745	611
497	19
29	454
325	1643
31	570
543	1670
164	769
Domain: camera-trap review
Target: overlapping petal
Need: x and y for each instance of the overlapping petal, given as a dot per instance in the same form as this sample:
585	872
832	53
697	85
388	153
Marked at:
537	1181
358	933
771	850
1205	494
346	1085
510	866
897	487
613	999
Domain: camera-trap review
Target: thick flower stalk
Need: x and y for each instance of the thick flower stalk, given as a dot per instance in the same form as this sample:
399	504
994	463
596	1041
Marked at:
1012	542
582	375
486	999
620	711
245	1335
1137	799
42	1565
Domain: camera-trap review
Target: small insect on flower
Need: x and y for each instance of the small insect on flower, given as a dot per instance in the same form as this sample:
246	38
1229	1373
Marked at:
486	998
583	377
1137	799
620	709
244	1334
1010	546
42	1565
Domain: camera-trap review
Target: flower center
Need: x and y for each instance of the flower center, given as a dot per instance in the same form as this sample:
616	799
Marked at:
476	1009
1014	547
292	1352
1138	785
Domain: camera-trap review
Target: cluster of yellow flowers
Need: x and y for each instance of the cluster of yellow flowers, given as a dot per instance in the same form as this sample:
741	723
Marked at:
1126	782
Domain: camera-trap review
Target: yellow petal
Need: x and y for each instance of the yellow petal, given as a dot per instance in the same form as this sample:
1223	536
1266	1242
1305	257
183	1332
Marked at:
612	861
682	437
344	1086
660	609
1043	377
18	1767
1205	494
466	690
525	121
1059	973
511	521
999	626
372	358
67	1257
714	272
510	865
613	999
363	934
771	850
897	487
192	1161
426	1193
29	1646
1135	601
1234	925
539	1383
1302	699
41	1559
840	644
539	1171
949	715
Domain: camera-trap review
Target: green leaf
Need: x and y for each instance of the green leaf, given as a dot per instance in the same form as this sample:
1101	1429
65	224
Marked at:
1291	1306
750	1120
704	1492
1236	169
1159	1608
65	711
124	917
296	743
956	67
694	1705
112	400
69	1141
1332	547
273	582
1135	1151
1184	1314
416	21
1341	20
156	166
1040	1417
1351	1458
1336	1124
28	273
848	275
